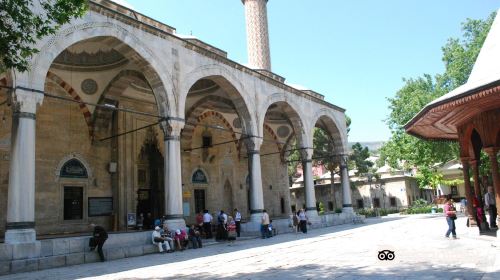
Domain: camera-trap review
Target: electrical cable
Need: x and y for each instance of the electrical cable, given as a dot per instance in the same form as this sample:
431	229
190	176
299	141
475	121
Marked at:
161	118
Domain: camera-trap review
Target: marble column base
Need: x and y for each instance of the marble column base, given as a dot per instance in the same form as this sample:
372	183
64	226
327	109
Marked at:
314	218
256	218
348	210
15	236
175	224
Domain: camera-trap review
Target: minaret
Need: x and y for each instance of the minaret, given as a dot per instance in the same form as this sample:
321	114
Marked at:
257	34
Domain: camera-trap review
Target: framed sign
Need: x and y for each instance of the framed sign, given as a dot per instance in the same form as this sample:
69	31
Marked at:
100	206
73	168
131	219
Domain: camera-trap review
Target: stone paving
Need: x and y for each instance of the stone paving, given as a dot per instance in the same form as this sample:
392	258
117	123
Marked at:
340	252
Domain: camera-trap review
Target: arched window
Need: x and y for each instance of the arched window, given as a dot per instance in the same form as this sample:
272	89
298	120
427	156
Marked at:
73	168
199	177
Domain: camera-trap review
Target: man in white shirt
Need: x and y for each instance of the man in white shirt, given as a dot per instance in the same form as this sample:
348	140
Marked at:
237	220
207	224
265	225
157	239
490	204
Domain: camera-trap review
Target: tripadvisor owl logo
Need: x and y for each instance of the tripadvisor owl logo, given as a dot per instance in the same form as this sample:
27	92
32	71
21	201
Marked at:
386	255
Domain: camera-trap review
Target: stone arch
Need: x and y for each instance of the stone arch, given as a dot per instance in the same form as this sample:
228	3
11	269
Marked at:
335	129
72	156
188	131
127	43
205	174
294	113
239	96
274	136
115	87
74	95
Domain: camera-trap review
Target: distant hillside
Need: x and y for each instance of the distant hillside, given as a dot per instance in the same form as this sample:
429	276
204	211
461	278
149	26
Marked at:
372	146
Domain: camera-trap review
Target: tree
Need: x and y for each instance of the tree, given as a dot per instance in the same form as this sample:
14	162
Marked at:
23	22
358	158
405	151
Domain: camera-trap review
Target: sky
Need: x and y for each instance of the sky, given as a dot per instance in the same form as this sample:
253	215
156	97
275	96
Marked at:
354	52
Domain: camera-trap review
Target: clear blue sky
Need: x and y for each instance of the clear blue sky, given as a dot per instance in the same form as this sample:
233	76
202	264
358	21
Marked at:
355	52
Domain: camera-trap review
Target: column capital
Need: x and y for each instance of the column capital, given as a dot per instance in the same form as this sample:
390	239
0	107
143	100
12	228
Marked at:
253	143
491	151
172	128
306	153
26	101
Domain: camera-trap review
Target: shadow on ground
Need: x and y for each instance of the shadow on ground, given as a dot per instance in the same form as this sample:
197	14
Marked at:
311	272
302	272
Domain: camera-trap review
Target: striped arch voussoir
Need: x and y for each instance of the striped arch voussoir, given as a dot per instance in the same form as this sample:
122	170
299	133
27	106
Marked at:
188	131
74	95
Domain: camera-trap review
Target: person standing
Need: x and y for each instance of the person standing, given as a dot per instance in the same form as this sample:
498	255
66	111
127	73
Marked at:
490	205
99	236
237	221
207	224
295	222
303	220
264	227
451	216
199	219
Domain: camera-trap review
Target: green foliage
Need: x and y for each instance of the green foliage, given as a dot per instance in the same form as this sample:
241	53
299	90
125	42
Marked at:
367	212
338	210
428	177
21	26
358	157
321	208
419	206
404	151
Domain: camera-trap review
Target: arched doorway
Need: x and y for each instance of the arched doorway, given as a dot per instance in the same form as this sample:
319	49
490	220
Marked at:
150	178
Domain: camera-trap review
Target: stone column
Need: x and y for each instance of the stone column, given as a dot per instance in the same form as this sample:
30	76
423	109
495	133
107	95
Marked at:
492	154
20	226
468	189
257	34
255	175
310	194
346	186
173	174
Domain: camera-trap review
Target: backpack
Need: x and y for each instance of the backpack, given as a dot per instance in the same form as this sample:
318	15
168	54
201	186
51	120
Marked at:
220	219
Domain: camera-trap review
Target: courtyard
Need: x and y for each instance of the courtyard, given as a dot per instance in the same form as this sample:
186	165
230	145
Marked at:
339	252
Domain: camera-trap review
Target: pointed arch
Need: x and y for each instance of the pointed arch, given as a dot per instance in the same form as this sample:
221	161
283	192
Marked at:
117	37
74	95
231	84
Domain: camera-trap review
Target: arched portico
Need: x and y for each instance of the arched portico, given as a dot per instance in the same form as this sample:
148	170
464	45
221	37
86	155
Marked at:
329	123
236	92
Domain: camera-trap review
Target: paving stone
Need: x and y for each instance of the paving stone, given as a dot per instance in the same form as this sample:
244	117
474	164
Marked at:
61	246
4	267
114	253
5	252
47	247
133	251
77	245
17	266
341	252
91	257
77	258
149	249
51	262
26	250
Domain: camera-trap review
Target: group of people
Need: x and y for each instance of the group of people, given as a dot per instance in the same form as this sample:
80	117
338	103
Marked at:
300	221
228	227
489	205
177	240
